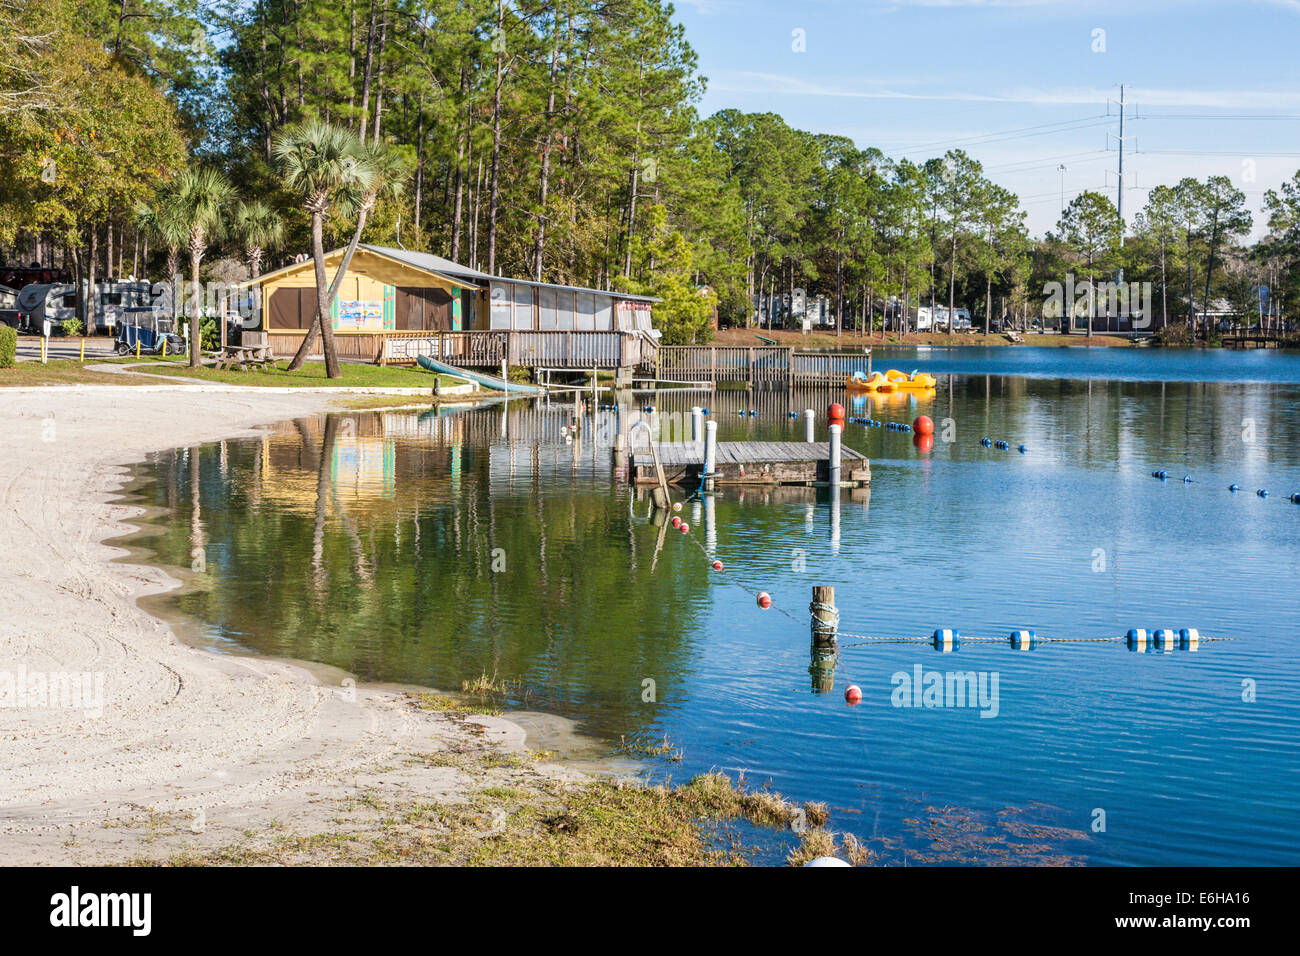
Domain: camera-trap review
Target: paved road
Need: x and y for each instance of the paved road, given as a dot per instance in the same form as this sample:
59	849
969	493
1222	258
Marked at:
97	347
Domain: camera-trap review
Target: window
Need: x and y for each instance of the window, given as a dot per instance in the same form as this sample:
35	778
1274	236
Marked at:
499	312
564	309
546	307
524	318
584	316
604	313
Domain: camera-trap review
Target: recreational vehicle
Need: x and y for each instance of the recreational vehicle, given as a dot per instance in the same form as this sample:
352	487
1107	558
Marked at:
9	306
41	303
57	302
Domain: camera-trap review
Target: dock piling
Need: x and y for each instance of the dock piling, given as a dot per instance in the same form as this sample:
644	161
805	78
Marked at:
825	615
833	465
697	424
710	452
809	427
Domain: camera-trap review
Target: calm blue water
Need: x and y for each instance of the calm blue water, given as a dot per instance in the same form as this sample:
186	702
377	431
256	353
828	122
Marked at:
1117	364
1073	538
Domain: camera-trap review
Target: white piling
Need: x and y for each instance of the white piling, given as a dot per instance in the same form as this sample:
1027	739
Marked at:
697	424
710	451
835	520
809	429
833	465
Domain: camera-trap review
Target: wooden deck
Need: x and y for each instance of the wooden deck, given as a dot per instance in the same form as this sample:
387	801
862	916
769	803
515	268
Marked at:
752	463
1253	340
758	365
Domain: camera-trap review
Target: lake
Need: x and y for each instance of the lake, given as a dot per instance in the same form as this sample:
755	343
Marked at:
433	548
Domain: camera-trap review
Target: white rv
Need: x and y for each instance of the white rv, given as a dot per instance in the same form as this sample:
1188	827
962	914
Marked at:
38	304
58	303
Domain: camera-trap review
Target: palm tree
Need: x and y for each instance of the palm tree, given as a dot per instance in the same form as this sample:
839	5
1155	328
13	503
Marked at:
159	221
388	172
327	166
198	198
259	229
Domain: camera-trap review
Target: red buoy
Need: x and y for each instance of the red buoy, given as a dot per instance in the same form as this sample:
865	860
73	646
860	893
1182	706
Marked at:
717	565
685	527
853	694
764	599
677	522
835	413
923	443
923	425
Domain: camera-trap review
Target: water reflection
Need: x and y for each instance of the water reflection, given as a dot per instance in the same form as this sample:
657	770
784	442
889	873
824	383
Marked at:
434	548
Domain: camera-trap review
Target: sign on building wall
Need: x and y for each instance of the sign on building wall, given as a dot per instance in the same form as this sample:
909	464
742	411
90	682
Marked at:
361	315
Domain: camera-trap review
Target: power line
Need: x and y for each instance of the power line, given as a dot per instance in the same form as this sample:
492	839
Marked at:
1221	116
1049	162
1016	133
1218	152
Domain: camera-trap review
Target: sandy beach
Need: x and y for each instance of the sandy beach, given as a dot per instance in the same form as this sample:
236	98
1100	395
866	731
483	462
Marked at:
118	741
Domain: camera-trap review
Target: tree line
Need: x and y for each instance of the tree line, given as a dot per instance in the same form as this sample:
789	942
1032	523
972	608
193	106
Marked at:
557	140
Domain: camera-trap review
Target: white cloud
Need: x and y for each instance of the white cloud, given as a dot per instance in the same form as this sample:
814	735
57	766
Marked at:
744	81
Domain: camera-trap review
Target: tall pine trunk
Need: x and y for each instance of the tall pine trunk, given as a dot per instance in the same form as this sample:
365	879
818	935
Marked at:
494	190
196	303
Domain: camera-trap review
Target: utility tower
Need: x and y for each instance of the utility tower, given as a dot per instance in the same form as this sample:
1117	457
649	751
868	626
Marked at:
1119	186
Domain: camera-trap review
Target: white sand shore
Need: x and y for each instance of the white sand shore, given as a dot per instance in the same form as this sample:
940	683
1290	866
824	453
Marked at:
191	747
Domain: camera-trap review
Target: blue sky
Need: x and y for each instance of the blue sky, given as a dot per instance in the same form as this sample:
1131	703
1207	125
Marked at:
1023	85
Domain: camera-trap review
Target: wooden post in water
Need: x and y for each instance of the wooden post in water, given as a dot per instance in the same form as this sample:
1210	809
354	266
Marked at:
825	616
833	465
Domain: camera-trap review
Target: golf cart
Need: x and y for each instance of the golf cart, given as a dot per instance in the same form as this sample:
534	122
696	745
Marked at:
146	330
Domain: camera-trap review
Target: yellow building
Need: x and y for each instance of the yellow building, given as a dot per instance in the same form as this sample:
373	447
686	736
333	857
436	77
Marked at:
385	290
395	290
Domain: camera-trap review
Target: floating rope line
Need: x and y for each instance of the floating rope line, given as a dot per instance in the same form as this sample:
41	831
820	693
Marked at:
1002	445
824	626
829	627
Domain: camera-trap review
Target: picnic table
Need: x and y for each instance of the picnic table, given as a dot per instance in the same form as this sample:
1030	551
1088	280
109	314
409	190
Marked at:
244	357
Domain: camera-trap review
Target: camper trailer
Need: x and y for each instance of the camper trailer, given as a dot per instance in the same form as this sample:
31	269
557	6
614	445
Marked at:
38	304
9	306
113	297
57	302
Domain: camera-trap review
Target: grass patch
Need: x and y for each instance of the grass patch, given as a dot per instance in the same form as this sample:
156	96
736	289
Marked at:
310	375
29	374
443	703
537	821
638	748
484	686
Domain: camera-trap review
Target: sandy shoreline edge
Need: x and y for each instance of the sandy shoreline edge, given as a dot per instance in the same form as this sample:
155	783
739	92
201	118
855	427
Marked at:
188	749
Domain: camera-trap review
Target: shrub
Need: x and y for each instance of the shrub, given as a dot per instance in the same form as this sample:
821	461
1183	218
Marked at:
8	346
209	335
1176	336
70	327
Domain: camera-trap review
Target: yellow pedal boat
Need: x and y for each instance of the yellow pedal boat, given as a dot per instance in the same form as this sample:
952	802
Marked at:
915	380
877	383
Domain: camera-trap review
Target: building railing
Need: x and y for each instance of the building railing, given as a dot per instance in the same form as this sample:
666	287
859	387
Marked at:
557	349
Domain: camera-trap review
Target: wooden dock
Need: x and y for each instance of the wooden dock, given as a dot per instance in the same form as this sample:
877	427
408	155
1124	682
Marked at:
1253	340
770	366
752	463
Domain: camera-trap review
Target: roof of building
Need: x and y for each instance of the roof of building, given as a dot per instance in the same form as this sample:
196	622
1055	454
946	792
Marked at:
437	264
429	262
453	272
